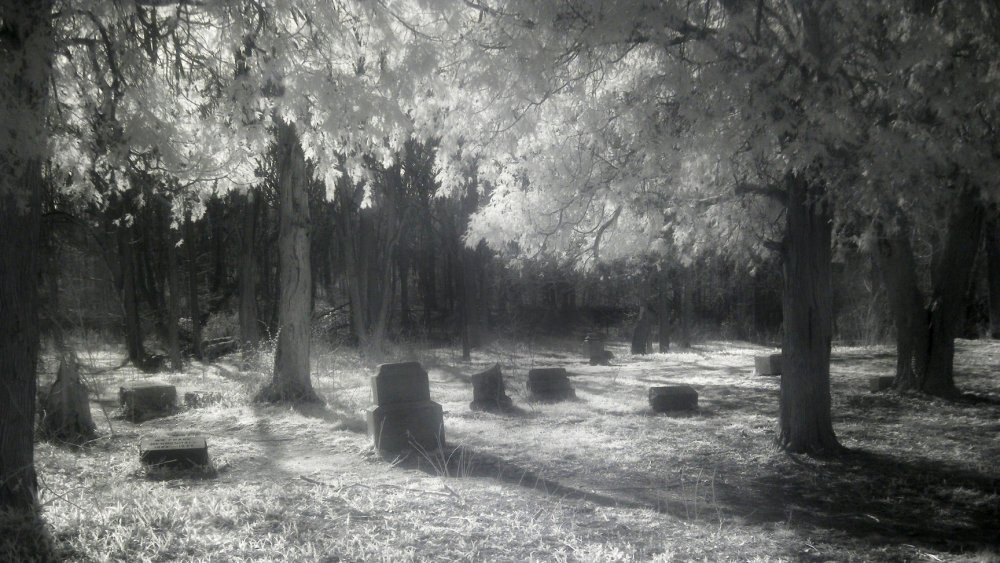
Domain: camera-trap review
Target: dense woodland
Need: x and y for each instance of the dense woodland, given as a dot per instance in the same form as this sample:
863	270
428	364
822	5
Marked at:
193	179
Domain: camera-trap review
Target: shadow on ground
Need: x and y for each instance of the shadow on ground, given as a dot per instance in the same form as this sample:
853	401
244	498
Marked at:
866	494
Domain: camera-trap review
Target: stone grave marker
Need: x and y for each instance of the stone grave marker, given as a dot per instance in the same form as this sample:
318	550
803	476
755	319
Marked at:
198	399
404	416
672	398
881	383
488	393
593	349
767	365
550	384
174	452
143	400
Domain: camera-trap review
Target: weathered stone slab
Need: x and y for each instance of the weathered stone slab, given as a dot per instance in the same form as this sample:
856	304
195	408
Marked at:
881	383
400	383
402	426
593	346
550	384
672	398
143	400
198	399
404	417
488	393
767	365
175	452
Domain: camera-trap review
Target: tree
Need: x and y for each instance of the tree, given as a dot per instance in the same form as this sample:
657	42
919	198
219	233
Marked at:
26	44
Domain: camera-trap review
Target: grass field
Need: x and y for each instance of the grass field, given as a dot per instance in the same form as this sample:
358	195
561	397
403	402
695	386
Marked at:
601	478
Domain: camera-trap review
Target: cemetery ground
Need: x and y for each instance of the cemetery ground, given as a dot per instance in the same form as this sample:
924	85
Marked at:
599	478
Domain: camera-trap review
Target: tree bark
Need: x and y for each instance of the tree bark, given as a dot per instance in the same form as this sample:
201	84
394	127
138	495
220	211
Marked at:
249	331
190	244
663	311
26	41
642	334
130	299
291	377
805	423
926	328
174	297
992	244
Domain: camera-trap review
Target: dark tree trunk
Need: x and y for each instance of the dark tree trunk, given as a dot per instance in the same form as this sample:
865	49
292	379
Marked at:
805	424
682	304
190	243
174	297
291	379
899	274
130	300
403	267
926	329
992	243
216	217
663	311
249	332
642	335
27	46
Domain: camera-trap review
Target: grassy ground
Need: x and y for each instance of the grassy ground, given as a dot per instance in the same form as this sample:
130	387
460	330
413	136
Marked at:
597	479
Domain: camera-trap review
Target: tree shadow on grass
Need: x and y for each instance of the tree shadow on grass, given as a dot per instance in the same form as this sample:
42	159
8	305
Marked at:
870	495
464	462
334	414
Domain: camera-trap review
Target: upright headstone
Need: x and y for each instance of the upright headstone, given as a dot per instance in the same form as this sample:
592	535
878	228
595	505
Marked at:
593	348
881	383
404	416
174	452
767	365
143	400
550	384
672	398
488	393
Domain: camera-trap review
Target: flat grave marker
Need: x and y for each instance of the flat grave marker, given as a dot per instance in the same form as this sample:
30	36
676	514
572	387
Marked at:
174	452
767	365
673	398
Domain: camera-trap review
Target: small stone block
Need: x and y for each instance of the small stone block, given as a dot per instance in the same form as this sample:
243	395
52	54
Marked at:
175	452
670	398
881	383
142	400
767	365
398	427
400	383
488	393
198	399
550	384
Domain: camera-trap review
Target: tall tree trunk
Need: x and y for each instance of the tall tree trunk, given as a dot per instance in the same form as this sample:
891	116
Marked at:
683	297
899	274
643	332
992	244
190	243
663	311
216	219
130	299
926	328
26	41
950	282
805	424
403	271
249	332
291	379
174	298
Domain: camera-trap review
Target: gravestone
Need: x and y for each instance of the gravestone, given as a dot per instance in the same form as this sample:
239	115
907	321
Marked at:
198	399
881	383
672	398
767	365
404	417
174	452
550	384
593	349
488	393
143	400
